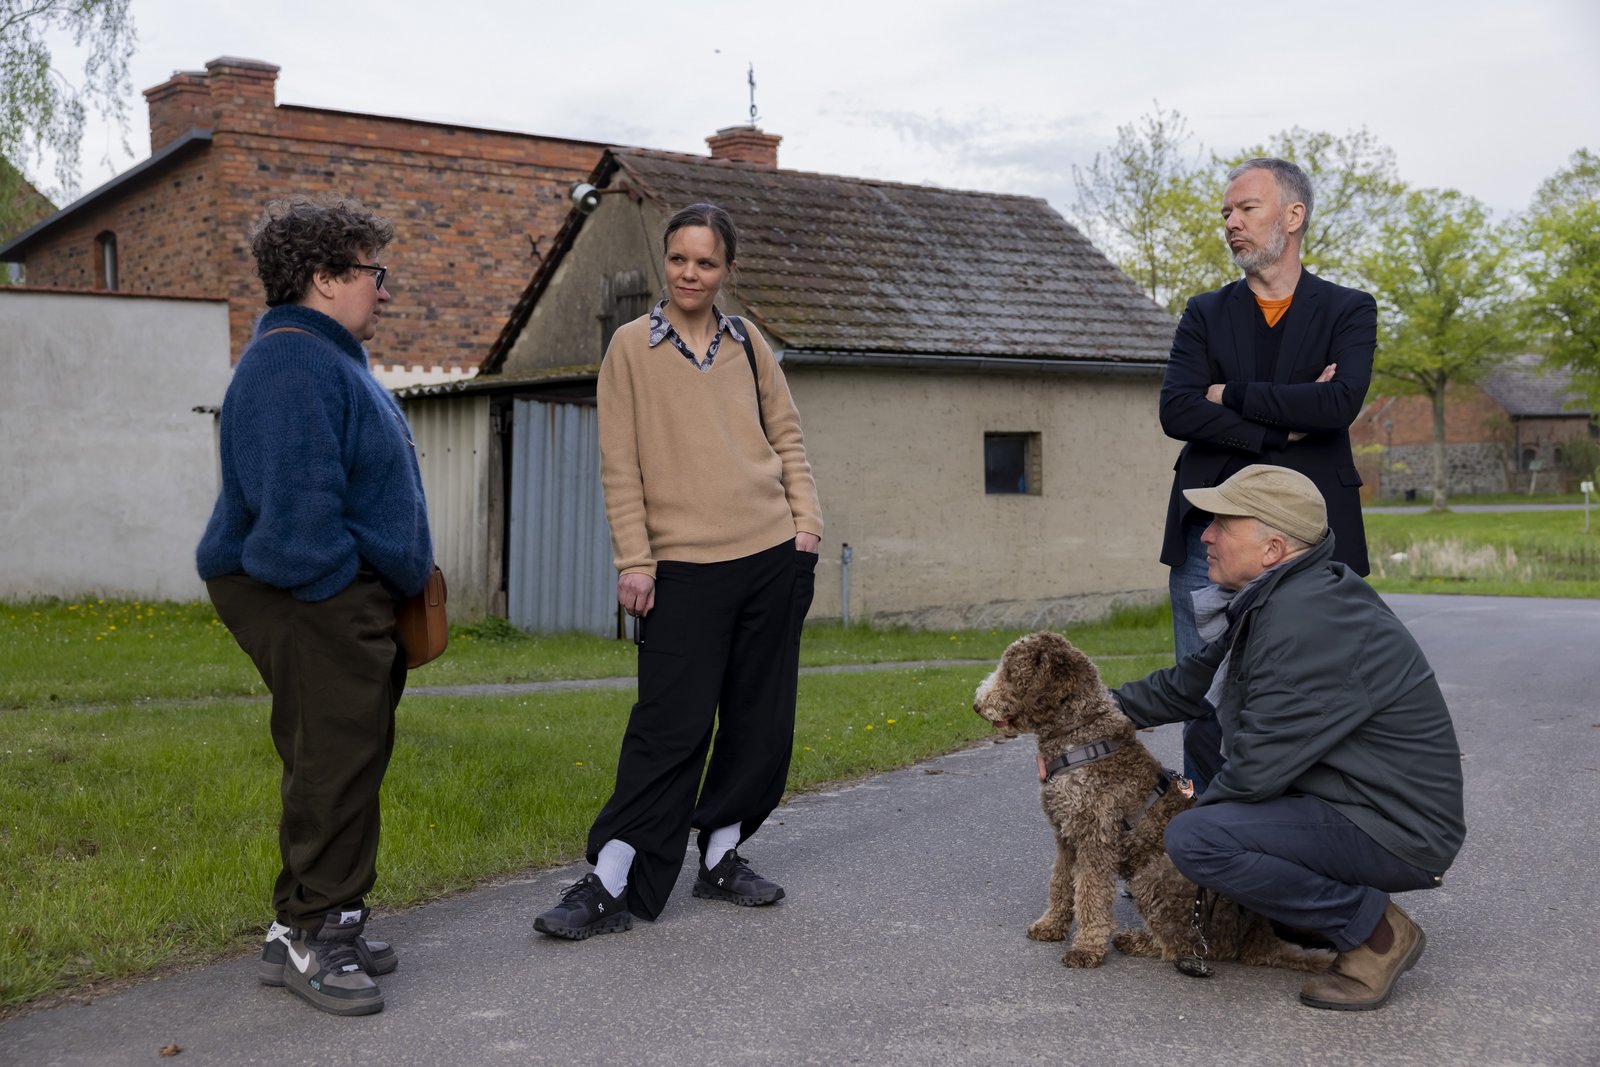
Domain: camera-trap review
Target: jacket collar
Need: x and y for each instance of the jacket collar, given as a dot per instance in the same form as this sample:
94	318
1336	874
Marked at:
315	322
1319	554
1243	315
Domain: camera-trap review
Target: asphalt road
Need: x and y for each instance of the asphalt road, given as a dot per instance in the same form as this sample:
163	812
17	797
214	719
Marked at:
902	938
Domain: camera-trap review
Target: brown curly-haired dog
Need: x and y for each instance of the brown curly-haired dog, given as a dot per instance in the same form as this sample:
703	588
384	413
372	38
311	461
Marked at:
1109	815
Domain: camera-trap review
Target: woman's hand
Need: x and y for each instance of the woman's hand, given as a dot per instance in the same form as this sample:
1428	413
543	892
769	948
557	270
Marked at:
636	593
806	542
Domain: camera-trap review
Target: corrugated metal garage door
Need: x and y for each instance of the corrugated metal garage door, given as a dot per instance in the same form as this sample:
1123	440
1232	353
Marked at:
559	548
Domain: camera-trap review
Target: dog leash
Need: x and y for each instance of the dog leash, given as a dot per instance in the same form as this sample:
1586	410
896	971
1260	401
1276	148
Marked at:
1194	963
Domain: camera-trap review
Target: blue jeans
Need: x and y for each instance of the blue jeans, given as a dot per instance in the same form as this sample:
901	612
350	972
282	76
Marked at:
1202	738
1296	860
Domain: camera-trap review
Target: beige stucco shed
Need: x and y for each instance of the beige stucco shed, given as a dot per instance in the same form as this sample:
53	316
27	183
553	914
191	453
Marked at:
977	383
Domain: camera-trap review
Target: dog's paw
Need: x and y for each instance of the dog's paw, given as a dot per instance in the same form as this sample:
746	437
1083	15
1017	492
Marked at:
1049	928
1083	958
1139	943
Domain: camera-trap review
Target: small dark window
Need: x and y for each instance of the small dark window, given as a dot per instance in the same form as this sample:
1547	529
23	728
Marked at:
624	296
1011	463
106	246
1530	459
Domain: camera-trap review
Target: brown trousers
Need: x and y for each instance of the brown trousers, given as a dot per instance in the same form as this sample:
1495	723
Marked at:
336	675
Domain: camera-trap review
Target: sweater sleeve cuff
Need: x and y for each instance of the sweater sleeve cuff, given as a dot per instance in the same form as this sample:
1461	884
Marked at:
1233	396
1274	440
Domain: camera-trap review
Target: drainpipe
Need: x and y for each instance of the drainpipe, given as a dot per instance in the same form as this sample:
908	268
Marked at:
845	555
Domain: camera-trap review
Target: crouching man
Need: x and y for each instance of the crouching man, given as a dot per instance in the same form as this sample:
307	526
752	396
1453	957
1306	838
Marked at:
1341	780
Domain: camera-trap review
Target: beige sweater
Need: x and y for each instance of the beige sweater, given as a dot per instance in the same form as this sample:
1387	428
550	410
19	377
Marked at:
687	473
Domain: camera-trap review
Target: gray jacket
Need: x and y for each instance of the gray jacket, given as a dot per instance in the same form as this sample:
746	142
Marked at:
1327	695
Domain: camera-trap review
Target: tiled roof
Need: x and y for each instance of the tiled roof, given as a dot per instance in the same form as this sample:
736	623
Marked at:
1523	390
849	264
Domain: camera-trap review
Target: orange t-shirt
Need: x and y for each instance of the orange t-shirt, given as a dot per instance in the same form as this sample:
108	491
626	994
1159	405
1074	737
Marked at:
1274	309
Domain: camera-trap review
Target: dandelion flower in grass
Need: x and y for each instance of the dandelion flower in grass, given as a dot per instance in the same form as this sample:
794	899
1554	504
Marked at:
890	722
869	726
578	763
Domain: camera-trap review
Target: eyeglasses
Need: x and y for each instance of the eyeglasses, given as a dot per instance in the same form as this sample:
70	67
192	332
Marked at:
378	273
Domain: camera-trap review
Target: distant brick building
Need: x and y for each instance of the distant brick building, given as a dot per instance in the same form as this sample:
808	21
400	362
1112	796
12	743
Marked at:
470	208
1521	426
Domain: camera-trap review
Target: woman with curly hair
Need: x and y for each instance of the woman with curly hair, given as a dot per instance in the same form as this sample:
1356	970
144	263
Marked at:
319	529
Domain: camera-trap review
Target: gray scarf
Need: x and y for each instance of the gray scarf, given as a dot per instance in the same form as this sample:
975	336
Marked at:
1217	612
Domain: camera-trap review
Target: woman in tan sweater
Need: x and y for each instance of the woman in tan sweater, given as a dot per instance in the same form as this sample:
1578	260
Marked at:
715	524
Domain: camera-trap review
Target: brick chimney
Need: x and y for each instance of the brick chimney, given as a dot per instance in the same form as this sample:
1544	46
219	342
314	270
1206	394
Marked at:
243	93
177	105
745	144
236	93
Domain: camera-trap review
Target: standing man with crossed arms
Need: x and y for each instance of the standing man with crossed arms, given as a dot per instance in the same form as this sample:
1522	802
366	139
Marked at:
1272	368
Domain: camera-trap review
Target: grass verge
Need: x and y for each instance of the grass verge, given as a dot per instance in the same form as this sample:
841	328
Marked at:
141	835
99	652
1541	553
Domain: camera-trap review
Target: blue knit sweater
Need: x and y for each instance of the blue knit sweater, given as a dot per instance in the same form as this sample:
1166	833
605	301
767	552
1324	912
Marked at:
318	470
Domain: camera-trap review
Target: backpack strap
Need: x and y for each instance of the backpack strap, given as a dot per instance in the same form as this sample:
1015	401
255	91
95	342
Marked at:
750	354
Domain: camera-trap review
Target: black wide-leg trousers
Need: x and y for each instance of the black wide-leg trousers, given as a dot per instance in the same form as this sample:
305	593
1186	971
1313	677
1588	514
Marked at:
722	650
336	675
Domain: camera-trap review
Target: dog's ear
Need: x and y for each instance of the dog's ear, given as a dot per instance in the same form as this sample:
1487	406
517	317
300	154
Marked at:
1052	671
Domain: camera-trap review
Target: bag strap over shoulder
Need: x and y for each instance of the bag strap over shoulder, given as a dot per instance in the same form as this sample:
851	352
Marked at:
750	354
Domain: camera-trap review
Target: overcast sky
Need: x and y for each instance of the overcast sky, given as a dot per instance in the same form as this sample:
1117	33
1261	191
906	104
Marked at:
995	95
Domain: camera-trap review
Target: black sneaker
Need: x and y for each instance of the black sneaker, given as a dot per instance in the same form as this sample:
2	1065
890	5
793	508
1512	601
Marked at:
733	880
586	909
324	968
377	957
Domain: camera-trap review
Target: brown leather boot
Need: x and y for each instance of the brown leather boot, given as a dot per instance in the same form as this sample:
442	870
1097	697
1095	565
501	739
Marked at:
1362	978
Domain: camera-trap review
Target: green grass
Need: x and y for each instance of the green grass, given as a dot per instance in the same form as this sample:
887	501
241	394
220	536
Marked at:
1533	553
139	805
107	652
1425	499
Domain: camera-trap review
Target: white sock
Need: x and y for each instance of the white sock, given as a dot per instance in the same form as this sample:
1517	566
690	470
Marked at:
612	868
721	843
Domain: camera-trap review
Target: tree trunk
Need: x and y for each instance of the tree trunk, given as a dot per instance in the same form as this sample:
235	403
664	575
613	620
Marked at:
1439	475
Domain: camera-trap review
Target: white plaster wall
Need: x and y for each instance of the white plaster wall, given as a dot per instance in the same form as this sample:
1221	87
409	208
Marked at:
108	474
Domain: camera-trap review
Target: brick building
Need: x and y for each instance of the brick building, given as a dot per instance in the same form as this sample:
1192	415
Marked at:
470	207
1521	425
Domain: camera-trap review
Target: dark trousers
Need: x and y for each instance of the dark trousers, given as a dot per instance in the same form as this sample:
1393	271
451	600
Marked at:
336	675
1202	737
721	648
1296	860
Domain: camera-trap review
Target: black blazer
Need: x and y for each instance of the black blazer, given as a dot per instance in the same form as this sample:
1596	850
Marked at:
1215	343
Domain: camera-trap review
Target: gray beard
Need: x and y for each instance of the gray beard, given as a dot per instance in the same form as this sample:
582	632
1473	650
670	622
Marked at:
1255	260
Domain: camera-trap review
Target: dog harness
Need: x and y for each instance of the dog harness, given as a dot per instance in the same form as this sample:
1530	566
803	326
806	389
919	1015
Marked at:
1095	751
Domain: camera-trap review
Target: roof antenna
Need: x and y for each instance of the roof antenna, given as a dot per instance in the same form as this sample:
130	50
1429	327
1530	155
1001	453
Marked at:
752	78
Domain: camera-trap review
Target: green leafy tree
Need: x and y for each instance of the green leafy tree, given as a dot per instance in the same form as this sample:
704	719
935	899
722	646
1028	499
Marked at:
1438	269
1152	208
1357	187
42	112
1562	273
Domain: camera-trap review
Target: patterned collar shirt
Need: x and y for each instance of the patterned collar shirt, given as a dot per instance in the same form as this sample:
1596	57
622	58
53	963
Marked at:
662	330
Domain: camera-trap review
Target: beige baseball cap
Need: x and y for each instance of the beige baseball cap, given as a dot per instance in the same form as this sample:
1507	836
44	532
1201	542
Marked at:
1283	499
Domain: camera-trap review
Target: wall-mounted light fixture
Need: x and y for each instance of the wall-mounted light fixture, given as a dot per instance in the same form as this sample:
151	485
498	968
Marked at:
586	197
